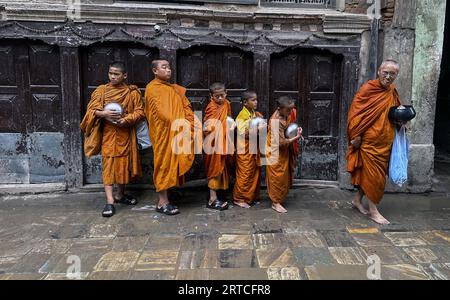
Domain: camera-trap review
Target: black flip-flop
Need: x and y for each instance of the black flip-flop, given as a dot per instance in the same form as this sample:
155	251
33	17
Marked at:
128	200
217	205
168	209
108	211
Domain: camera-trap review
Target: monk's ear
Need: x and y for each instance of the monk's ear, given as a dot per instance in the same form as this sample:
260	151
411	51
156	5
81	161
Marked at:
125	75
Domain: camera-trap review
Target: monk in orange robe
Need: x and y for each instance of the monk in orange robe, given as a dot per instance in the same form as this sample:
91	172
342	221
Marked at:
248	163
170	116
217	148
280	156
371	134
120	156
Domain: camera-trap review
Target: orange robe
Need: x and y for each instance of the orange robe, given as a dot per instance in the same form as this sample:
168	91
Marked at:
248	165
164	104
120	156
216	167
279	176
368	118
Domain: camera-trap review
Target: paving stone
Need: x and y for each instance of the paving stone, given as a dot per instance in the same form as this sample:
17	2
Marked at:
362	230
405	239
306	239
307	256
102	231
65	276
23	276
129	243
233	241
336	272
276	257
421	255
436	237
371	239
198	259
388	255
7	262
108	275
202	240
338	238
88	260
153	275
349	255
163	242
403	272
195	274
287	273
117	261
51	246
237	259
91	244
30	263
437	271
157	260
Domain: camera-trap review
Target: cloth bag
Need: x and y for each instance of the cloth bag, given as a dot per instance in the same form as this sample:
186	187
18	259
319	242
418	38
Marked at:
142	135
398	164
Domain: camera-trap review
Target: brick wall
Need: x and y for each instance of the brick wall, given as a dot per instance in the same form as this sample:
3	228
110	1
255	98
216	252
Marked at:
361	6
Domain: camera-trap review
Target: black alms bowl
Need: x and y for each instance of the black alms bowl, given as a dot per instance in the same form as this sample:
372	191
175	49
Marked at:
402	113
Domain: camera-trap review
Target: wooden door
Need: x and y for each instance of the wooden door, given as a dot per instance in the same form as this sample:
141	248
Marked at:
313	80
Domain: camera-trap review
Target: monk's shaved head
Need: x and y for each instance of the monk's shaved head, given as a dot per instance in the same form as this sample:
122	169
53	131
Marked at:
217	86
247	95
390	62
118	65
156	62
285	101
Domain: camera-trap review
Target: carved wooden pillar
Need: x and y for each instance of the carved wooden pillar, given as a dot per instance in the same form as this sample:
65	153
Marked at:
261	79
349	86
71	103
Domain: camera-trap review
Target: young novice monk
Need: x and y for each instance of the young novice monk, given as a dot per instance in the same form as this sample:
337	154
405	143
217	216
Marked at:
216	135
165	105
248	165
120	156
279	170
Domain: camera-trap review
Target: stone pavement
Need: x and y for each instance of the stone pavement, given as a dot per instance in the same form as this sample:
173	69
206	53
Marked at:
322	237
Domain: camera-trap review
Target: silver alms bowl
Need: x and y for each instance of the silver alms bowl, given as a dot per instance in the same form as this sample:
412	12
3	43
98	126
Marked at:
114	107
291	131
256	122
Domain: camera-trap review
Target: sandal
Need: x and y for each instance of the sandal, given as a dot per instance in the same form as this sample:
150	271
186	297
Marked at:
168	209
128	200
217	205
108	211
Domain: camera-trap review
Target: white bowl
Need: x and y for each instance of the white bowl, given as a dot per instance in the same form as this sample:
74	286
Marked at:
114	107
256	122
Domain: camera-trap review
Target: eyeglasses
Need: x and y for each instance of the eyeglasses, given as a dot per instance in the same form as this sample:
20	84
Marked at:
391	74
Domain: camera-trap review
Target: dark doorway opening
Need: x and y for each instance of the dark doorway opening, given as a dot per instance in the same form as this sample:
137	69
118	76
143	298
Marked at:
442	122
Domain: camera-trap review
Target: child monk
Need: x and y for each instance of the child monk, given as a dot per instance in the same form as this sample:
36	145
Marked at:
248	164
280	167
120	156
166	104
217	134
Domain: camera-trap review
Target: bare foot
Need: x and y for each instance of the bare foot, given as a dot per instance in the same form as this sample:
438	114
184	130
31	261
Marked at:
278	208
378	218
242	204
359	207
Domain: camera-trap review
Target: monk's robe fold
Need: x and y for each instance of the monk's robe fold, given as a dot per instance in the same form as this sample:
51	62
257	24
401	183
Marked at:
279	173
120	155
216	165
248	165
368	118
166	105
